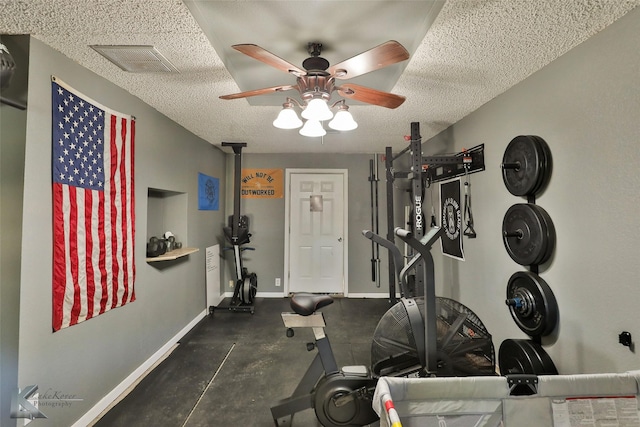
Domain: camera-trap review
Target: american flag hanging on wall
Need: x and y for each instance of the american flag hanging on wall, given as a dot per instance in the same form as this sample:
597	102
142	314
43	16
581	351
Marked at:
93	207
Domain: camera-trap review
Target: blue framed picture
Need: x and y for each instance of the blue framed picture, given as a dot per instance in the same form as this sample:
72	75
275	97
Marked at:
208	192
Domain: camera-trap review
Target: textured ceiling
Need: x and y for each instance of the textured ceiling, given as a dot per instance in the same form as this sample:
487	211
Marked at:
354	26
474	51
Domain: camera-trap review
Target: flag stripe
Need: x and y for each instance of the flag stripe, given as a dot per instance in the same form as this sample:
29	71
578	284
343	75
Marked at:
123	192
108	220
114	210
95	255
131	230
93	208
88	259
71	234
102	263
58	254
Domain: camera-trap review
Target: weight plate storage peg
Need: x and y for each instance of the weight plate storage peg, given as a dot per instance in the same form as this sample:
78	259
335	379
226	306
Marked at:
528	234
526	165
517	356
532	304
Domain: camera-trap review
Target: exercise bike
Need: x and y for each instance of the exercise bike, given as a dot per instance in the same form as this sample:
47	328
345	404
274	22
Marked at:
343	396
246	285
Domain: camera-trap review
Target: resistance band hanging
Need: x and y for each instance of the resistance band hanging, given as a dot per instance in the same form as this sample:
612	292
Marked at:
433	222
468	214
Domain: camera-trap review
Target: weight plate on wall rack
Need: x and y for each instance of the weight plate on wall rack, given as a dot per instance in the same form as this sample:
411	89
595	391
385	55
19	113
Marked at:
547	165
526	165
532	304
528	234
517	356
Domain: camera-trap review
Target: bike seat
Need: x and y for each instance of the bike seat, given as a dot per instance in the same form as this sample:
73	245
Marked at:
306	304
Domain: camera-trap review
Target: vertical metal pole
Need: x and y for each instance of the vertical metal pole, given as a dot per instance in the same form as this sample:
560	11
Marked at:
430	318
377	218
374	276
388	163
237	176
419	222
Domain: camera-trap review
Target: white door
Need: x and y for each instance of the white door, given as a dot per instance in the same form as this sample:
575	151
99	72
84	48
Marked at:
317	230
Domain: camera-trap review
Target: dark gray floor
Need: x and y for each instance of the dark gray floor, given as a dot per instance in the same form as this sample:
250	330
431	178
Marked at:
232	367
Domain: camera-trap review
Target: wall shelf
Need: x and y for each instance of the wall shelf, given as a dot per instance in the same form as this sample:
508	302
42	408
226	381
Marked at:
174	254
167	211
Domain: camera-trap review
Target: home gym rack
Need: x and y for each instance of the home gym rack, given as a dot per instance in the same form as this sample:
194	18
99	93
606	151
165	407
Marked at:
423	169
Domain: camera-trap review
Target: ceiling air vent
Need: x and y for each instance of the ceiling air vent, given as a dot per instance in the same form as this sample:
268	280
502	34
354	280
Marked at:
136	59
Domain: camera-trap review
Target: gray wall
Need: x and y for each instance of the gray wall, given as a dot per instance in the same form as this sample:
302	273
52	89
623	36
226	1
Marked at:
13	127
586	105
92	358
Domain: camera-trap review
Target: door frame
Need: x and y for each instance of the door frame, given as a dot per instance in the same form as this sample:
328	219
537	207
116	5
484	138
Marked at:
345	210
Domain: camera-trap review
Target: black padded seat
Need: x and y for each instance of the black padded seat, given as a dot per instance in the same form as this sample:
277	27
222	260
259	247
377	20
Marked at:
306	304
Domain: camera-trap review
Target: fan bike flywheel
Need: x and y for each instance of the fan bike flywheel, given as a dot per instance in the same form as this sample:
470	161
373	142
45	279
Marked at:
249	288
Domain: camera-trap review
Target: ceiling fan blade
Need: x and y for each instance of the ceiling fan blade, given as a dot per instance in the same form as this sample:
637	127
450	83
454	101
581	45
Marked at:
259	92
370	96
256	52
381	56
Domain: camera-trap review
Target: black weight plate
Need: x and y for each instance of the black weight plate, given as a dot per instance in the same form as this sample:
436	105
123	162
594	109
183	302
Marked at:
537	315
546	166
546	254
526	234
542	360
517	356
527	153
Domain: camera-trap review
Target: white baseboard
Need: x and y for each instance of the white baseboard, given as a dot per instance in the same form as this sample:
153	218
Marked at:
369	295
114	394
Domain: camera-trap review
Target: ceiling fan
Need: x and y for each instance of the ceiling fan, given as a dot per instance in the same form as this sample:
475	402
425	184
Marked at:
317	78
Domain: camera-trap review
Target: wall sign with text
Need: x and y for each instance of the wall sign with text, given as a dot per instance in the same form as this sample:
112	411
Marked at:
262	184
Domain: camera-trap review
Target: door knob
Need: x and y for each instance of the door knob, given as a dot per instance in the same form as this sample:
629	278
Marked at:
339	239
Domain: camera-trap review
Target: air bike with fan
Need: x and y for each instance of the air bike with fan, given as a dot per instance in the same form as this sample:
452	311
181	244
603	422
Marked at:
417	337
237	233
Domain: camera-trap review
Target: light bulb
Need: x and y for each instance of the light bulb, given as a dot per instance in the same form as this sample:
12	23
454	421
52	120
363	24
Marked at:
312	128
317	109
343	121
287	119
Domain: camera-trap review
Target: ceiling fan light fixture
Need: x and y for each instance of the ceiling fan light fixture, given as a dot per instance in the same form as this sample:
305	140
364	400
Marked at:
343	121
287	118
312	128
317	109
